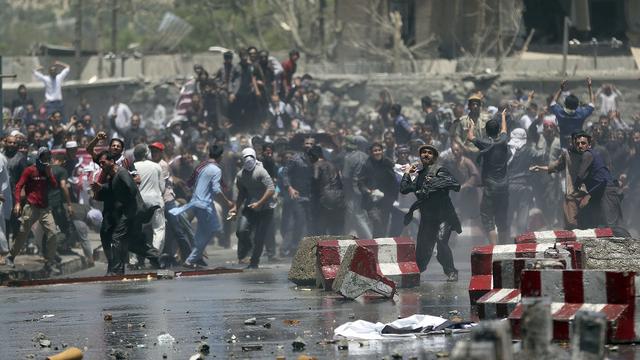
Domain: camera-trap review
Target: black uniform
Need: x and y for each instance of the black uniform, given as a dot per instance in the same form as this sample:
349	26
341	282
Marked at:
437	214
123	216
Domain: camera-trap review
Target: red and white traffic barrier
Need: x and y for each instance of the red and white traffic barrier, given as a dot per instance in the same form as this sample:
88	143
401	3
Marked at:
395	258
483	257
553	236
609	292
359	274
505	293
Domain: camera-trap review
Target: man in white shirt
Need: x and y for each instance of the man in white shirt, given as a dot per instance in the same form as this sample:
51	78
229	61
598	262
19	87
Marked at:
53	86
120	116
151	187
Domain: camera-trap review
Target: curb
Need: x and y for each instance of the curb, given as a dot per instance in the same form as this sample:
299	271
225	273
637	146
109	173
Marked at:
69	265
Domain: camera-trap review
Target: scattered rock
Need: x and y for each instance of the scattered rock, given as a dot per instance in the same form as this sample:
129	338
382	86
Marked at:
267	326
45	343
204	348
39	336
197	356
343	345
396	356
166	339
118	354
306	357
291	322
442	354
165	275
247	348
108	317
251	321
298	344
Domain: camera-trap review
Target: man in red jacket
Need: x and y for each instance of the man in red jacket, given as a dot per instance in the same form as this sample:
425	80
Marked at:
36	180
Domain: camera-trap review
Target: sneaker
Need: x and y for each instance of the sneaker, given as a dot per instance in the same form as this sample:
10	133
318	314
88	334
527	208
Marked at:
9	261
201	263
452	277
189	265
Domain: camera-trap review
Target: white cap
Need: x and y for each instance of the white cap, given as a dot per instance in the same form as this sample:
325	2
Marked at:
248	152
71	144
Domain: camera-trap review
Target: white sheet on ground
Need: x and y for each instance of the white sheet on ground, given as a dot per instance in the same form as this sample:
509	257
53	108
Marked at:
364	330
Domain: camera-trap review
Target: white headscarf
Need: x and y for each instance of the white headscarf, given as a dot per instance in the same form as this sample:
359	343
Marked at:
517	141
249	159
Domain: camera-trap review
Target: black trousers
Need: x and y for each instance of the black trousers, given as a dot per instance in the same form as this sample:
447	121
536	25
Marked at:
379	219
430	234
494	208
118	237
253	229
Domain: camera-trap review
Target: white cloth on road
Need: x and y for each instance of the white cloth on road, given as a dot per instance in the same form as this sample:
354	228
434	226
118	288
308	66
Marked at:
364	330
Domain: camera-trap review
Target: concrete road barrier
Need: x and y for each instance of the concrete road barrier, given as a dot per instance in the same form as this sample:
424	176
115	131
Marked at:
360	273
553	236
395	258
609	292
303	265
505	294
612	253
483	257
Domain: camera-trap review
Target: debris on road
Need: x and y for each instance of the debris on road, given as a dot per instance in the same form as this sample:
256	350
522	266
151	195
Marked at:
165	339
267	326
204	348
45	343
298	344
412	326
250	321
118	354
165	275
108	317
247	348
197	356
291	322
72	353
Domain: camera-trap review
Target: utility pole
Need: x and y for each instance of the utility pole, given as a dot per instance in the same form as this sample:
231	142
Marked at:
565	45
78	36
322	6
499	49
99	43
114	34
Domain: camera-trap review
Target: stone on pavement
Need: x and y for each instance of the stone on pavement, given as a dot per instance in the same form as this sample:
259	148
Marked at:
303	266
359	273
621	254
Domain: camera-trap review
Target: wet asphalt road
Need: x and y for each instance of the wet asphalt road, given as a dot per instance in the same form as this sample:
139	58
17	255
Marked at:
213	309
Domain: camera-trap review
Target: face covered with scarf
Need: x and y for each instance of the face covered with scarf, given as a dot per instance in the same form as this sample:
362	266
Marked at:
249	159
517	141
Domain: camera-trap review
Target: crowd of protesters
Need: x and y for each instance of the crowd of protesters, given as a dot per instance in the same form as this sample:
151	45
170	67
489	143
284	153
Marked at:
248	151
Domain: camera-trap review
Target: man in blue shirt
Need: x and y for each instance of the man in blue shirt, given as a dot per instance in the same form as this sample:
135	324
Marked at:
205	182
572	116
603	206
402	129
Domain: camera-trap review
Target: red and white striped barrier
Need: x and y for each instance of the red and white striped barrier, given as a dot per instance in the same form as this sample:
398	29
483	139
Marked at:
482	258
505	295
359	274
609	292
395	258
552	236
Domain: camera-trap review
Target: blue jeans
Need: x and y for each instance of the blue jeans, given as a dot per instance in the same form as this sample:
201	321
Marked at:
207	226
56	105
